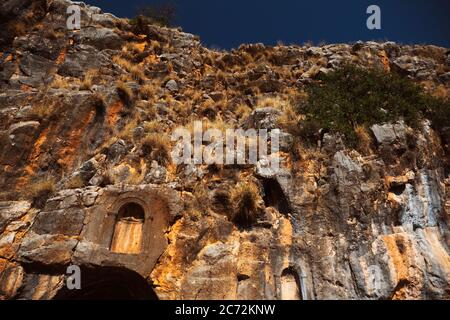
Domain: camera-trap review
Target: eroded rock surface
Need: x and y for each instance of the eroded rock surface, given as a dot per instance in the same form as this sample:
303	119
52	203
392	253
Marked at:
333	223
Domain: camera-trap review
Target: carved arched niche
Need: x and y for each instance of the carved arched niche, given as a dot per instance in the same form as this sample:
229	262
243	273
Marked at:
128	229
290	285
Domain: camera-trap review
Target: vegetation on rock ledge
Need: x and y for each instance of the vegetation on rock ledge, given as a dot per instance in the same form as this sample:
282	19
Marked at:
351	96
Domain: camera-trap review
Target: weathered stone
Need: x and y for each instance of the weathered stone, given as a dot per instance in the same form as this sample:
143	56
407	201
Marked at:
12	210
82	58
35	66
89	198
172	86
332	143
41	286
117	150
46	249
67	222
265	169
101	38
22	133
263	118
190	174
217	96
162	108
86	171
11	279
157	174
389	133
105	19
347	171
138	133
331	223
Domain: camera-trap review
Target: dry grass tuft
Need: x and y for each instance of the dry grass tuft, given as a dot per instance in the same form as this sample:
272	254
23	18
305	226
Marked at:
135	70
60	83
201	198
43	109
148	91
88	78
124	64
245	198
137	73
40	190
363	140
156	147
153	126
75	182
125	92
127	132
242	111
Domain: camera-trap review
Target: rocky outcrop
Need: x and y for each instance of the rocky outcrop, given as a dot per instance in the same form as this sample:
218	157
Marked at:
84	122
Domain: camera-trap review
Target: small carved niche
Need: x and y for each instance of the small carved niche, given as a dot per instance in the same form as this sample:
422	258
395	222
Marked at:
290	285
128	235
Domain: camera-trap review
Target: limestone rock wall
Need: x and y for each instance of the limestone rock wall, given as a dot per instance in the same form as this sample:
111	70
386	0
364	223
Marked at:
334	223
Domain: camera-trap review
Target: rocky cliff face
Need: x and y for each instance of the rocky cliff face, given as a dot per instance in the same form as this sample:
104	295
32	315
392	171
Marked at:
86	180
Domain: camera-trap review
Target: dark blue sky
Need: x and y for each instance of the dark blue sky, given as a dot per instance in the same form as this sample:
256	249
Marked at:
228	23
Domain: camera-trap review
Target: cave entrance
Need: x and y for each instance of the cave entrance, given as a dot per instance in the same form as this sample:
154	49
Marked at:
290	285
274	196
109	283
127	236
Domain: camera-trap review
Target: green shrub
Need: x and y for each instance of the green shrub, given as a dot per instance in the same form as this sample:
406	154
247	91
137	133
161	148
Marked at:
352	96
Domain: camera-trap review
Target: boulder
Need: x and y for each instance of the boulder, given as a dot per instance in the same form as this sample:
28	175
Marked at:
172	86
67	222
35	69
347	170
268	85
20	136
89	197
105	19
11	279
389	133
157	174
82	58
12	210
34	65
87	170
117	150
263	118
46	249
22	133
100	38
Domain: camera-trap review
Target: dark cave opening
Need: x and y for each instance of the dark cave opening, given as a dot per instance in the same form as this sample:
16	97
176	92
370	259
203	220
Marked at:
109	283
274	196
397	189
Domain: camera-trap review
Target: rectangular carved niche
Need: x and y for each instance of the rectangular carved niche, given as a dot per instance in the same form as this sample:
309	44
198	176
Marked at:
127	236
